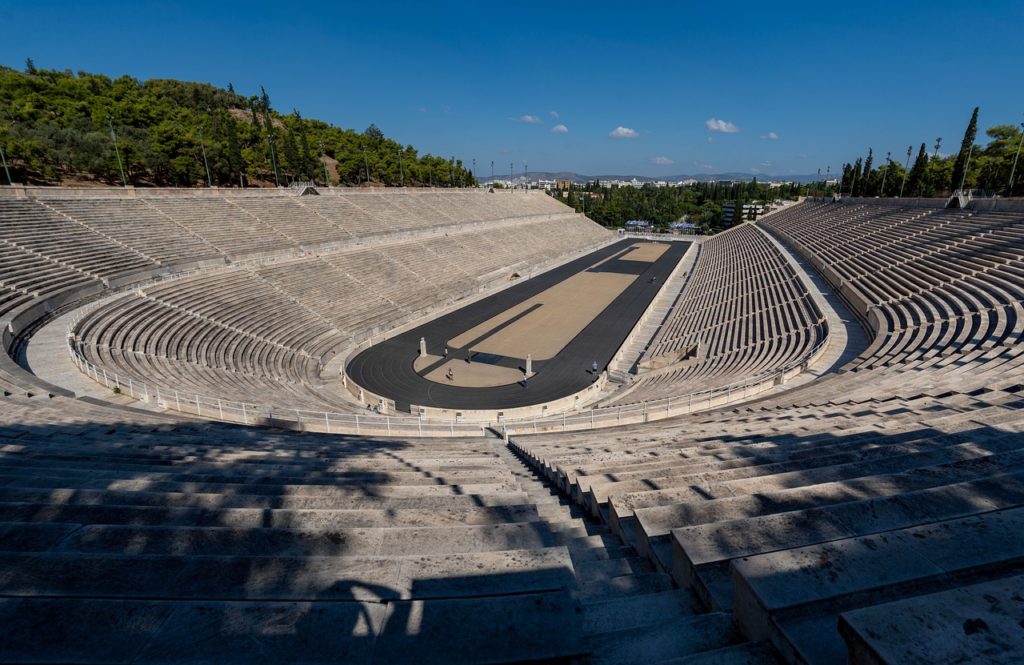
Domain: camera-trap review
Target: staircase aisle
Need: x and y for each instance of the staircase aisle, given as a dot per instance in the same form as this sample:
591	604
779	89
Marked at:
631	613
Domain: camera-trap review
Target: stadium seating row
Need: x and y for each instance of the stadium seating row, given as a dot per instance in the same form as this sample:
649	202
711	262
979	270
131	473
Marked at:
862	496
742	313
261	335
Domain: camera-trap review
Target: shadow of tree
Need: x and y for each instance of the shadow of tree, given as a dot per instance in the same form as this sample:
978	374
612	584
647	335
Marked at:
125	537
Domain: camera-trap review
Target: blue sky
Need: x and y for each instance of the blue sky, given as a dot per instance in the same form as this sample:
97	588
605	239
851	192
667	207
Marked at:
772	88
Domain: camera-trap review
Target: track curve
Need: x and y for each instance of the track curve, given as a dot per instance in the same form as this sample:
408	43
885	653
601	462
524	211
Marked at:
387	368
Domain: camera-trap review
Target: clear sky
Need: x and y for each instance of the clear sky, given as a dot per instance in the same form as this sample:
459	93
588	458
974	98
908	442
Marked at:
656	88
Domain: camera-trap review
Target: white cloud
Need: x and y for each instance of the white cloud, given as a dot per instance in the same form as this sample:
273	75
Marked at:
528	119
621	132
770	136
711	140
724	126
559	129
767	164
553	114
661	161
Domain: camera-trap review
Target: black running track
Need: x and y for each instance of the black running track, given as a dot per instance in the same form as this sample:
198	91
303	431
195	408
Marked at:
387	368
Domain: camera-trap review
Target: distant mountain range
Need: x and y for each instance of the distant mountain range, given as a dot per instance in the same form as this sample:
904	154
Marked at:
699	177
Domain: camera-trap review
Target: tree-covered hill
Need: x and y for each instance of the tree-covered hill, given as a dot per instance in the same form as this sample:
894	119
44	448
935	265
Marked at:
59	127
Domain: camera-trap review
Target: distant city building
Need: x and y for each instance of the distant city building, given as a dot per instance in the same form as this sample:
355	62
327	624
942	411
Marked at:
750	212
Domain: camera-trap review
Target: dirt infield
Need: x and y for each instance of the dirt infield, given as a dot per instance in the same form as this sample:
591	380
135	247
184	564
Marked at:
539	326
564	310
648	252
467	375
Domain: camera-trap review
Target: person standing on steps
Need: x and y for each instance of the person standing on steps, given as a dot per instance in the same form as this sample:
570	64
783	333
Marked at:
450	374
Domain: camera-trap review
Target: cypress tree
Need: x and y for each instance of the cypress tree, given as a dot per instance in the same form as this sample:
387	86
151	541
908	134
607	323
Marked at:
960	165
915	181
865	188
309	163
291	153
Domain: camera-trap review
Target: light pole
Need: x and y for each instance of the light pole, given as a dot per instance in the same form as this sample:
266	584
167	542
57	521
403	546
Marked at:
401	170
474	168
1012	170
526	176
451	170
323	156
113	137
202	144
510	183
492	174
906	169
366	163
828	174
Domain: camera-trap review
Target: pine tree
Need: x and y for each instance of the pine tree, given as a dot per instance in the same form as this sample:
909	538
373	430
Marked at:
30	67
858	180
915	181
960	165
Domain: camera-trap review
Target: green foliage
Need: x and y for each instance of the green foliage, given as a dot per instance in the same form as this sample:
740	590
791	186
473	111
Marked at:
916	179
700	204
53	129
989	168
960	166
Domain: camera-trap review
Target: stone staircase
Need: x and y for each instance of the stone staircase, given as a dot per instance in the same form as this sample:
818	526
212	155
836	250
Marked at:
631	613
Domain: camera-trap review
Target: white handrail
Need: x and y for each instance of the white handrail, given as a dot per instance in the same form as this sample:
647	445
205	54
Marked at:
216	408
666	407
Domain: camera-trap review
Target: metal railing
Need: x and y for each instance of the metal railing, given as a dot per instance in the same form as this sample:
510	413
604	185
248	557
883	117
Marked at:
249	413
667	407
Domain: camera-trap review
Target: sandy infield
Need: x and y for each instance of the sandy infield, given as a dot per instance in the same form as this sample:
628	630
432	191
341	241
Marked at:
468	375
565	309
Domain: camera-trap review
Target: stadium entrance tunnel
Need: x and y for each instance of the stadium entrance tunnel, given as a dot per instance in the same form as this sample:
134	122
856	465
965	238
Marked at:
538	345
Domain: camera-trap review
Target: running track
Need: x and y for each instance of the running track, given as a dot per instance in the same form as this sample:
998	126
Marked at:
387	368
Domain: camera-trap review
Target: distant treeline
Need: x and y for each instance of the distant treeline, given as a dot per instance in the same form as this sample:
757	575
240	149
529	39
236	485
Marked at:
700	203
60	126
987	167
